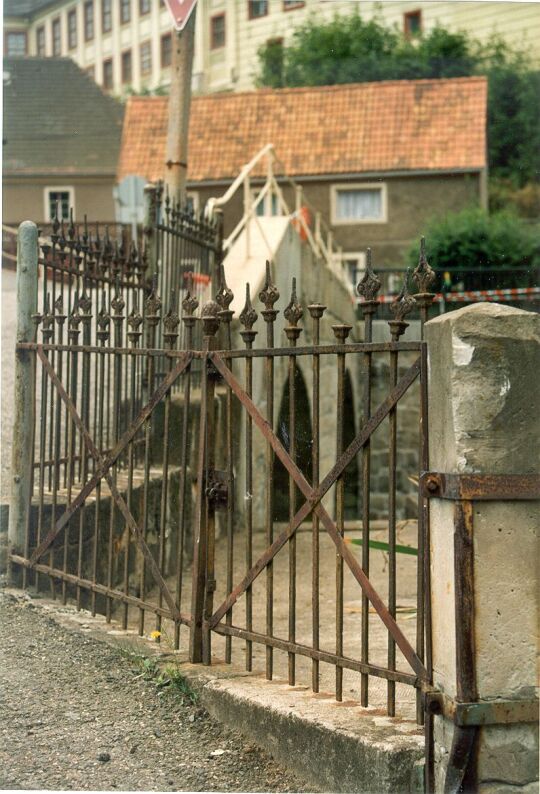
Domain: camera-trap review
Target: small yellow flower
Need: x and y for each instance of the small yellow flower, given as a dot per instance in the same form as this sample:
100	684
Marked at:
155	635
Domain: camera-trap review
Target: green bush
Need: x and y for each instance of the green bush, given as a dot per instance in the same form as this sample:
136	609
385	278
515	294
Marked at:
482	251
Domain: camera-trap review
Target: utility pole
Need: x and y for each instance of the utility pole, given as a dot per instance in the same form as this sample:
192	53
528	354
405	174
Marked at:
179	106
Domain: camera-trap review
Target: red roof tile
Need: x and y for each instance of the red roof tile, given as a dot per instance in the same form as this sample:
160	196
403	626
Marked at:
359	128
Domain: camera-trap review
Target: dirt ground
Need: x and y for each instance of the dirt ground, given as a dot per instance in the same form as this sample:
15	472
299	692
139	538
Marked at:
77	714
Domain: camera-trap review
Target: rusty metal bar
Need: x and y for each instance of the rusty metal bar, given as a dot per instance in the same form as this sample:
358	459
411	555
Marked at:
316	311
268	296
200	541
480	487
248	318
341	332
260	352
461	770
95	587
134	322
318	655
189	306
210	322
152	312
368	289
292	313
118	305
224	298
171	322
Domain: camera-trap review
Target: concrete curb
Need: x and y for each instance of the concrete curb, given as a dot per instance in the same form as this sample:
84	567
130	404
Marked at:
338	747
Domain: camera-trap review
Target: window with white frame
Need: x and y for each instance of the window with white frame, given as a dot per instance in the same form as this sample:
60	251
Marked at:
363	203
61	198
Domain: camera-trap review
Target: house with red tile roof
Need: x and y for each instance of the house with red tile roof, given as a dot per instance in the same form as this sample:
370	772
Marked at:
377	159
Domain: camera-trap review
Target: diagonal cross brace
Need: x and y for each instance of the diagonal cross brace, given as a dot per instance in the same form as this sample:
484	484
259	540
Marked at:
104	464
313	499
130	521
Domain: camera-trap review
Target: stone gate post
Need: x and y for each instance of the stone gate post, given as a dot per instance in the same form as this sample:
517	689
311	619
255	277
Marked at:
484	398
24	408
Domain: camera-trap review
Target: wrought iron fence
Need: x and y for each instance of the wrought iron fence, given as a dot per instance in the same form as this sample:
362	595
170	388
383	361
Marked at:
118	483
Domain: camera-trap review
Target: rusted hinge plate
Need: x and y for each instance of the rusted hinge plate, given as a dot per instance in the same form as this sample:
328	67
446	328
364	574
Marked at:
217	489
486	712
480	487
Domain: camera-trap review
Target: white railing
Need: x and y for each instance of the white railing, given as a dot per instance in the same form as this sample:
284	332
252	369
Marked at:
319	238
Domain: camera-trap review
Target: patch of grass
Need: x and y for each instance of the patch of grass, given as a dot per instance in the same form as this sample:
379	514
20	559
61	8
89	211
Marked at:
170	679
173	678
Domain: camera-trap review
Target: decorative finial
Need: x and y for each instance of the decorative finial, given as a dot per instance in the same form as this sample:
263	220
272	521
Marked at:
400	308
153	303
370	284
171	321
423	274
118	301
293	311
134	321
189	304
269	293
224	295
248	315
210	318
103	320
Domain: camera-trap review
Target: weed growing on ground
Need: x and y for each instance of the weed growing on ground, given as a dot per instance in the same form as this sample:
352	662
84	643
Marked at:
169	679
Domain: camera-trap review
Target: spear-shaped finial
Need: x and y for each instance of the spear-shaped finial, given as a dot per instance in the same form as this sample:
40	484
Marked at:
370	283
423	274
269	293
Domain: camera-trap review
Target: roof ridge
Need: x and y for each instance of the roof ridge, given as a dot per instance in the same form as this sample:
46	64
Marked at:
335	87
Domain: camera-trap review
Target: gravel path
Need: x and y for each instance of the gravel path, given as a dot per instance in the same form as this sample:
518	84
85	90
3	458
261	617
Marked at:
77	714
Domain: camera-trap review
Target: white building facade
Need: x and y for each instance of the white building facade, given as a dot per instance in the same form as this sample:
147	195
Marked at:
126	45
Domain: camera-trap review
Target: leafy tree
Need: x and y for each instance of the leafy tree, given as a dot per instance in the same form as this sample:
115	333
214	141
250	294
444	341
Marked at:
350	49
472	246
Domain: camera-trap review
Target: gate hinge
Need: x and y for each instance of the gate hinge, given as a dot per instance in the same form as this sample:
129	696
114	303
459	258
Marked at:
217	489
484	712
479	487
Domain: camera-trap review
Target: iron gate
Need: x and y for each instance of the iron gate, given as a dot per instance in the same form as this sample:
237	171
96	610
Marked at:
117	456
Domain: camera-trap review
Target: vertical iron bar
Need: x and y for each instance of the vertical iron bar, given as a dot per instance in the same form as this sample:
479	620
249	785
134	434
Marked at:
248	317
341	332
401	306
224	298
73	334
368	289
60	318
170	335
152	307
117	304
269	295
424	276
189	306
134	322
292	314
103	322
85	305
316	311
